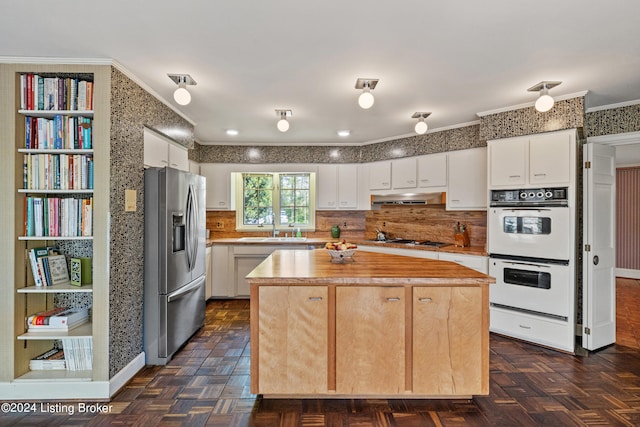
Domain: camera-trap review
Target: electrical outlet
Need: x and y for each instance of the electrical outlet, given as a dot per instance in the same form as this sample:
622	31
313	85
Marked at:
220	224
345	224
384	224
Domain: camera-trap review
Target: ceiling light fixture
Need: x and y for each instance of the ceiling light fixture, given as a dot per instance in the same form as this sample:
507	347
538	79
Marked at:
421	127
366	100
283	123
344	133
232	132
544	102
182	95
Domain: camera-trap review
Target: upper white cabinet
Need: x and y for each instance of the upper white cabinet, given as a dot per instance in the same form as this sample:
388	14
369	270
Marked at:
380	175
160	152
218	176
404	173
533	160
337	186
467	179
432	170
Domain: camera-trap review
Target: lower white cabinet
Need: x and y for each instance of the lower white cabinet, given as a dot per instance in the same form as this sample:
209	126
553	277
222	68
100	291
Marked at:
476	262
208	291
219	268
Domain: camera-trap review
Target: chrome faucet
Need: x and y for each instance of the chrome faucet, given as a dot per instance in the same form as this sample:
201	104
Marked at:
275	232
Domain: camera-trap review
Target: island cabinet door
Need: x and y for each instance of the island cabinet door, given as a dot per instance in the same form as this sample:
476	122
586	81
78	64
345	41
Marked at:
448	353
370	340
292	340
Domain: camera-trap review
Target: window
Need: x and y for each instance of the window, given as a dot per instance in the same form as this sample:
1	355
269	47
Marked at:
280	199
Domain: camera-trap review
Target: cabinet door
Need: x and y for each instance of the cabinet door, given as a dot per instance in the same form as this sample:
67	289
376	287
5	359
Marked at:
220	269
432	170
243	265
370	340
507	160
467	179
550	159
403	173
208	292
178	157
327	186
380	175
347	185
156	150
448	353
218	185
293	339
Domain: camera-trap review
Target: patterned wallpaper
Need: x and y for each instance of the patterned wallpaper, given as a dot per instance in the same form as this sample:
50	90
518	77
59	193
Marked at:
613	121
131	109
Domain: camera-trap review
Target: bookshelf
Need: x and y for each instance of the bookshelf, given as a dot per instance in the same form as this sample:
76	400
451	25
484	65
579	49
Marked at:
53	161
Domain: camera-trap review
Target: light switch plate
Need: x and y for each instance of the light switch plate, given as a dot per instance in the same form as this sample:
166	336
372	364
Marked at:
130	200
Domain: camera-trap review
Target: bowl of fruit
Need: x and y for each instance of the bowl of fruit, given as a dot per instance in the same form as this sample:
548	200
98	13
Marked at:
341	251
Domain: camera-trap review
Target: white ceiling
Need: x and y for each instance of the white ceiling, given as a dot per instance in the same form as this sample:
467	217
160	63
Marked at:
249	58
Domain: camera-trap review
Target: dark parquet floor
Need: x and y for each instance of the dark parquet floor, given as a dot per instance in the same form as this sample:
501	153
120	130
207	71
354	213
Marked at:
207	384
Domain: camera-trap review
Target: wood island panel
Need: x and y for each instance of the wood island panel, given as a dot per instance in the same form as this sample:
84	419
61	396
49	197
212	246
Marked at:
370	340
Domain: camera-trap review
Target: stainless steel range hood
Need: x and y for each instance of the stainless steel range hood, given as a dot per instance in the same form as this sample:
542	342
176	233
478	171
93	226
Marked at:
409	199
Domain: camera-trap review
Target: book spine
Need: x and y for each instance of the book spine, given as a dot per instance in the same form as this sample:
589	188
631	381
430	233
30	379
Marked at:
34	268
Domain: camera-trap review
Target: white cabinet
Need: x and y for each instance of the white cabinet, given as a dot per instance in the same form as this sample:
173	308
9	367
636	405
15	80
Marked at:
380	175
467	176
533	160
220	281
550	159
337	186
507	158
476	262
159	151
432	170
208	275
218	190
404	173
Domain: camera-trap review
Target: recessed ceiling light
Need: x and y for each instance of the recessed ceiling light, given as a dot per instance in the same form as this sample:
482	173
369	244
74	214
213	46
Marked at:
344	133
232	132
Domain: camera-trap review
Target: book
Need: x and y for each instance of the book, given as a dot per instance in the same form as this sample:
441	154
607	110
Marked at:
50	359
58	271
37	268
58	319
81	271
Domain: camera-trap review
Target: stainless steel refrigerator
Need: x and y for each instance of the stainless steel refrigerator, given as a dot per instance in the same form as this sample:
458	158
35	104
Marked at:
174	260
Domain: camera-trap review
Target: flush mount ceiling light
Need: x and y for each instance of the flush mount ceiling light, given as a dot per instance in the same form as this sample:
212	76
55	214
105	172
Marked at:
283	123
421	126
366	100
545	101
344	133
182	95
232	132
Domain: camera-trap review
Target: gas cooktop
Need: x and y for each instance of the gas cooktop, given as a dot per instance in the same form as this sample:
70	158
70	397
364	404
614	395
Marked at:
417	242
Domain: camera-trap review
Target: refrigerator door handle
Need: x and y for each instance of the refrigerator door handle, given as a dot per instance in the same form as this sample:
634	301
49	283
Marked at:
194	225
189	233
193	286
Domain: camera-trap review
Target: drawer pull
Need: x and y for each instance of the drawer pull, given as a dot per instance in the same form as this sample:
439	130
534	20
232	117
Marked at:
425	299
514	176
315	298
525	327
393	299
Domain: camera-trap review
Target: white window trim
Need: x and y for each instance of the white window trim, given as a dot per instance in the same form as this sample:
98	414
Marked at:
239	194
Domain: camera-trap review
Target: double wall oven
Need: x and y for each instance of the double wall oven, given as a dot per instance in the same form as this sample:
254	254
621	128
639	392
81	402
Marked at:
531	246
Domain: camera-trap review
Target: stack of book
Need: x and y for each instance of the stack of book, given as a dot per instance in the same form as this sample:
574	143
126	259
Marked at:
51	359
57	172
55	93
68	132
60	319
78	353
58	217
48	267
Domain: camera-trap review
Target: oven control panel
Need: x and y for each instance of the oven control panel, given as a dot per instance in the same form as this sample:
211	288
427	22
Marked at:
530	197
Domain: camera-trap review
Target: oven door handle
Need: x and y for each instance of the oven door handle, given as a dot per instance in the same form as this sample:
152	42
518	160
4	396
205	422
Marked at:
529	264
526	210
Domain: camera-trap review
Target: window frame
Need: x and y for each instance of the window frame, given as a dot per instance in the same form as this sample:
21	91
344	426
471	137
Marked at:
239	202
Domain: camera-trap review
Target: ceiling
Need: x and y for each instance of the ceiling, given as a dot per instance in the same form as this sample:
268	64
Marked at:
249	58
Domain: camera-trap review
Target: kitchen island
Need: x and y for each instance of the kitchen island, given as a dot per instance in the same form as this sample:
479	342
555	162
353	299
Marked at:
377	325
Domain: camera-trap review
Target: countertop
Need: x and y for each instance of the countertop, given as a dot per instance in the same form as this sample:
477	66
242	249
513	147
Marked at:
319	242
302	267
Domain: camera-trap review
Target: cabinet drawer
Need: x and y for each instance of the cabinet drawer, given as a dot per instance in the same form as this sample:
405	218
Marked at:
478	263
548	332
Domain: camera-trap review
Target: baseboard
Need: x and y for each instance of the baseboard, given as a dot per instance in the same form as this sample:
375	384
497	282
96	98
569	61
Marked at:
121	378
628	273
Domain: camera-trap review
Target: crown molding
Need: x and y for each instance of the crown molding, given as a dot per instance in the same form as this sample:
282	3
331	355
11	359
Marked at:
612	106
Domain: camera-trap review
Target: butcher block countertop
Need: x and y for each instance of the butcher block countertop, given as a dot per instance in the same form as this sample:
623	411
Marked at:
315	266
377	326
